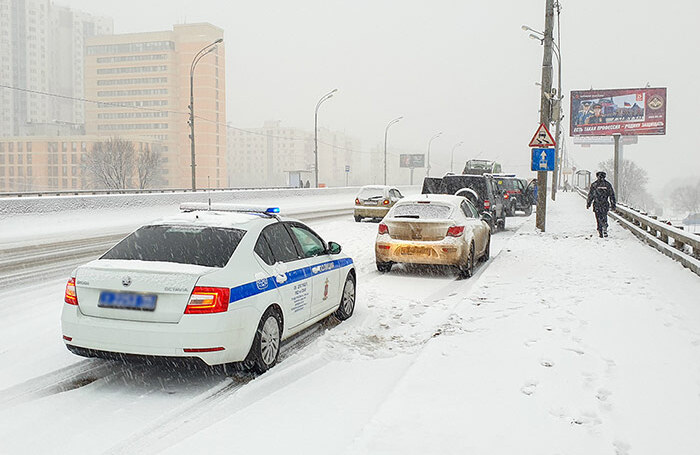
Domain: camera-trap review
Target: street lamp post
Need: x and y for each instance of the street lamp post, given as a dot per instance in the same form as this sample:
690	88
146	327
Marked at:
386	131
427	174
323	98
198	56
452	155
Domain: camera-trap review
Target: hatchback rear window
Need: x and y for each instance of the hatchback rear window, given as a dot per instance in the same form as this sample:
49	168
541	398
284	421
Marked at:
198	245
417	210
371	193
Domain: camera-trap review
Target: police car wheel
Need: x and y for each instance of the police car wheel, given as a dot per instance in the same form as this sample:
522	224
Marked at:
358	218
528	210
266	345
347	299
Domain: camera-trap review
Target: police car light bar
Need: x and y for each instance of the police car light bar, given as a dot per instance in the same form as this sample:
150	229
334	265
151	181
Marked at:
223	207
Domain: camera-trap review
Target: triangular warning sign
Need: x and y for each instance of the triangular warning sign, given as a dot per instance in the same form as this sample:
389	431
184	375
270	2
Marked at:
542	138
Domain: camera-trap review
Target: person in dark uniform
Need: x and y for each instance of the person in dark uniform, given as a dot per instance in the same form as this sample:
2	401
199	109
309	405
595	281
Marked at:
602	196
597	116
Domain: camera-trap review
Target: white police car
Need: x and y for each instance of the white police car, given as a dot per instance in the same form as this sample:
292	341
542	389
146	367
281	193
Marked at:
221	282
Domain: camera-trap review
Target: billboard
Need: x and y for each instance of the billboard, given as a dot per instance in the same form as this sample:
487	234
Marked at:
629	112
412	160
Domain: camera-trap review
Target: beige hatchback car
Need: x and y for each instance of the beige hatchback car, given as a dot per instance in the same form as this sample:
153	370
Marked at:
375	201
434	229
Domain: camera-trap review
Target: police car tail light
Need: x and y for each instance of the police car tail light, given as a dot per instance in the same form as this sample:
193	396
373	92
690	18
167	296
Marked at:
487	204
208	300
506	196
357	201
386	202
455	231
71	296
383	228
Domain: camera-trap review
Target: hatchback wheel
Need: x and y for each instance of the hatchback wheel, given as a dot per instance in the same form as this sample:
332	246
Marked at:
467	270
347	299
358	218
384	267
266	345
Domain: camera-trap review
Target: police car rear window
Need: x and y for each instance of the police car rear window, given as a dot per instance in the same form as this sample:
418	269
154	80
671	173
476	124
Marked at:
207	246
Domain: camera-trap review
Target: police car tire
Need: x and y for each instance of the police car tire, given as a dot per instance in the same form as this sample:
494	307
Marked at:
346	308
358	218
528	210
255	358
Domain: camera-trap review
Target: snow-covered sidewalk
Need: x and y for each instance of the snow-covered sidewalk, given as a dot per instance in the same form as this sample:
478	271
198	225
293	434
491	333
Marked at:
569	344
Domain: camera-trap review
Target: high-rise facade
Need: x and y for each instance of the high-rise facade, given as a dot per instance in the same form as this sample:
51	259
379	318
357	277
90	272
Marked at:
142	83
265	157
41	50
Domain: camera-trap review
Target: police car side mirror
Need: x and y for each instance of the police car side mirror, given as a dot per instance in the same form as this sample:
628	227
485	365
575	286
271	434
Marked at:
334	248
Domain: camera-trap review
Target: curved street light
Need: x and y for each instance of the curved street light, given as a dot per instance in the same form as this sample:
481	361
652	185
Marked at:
386	131
323	98
198	56
428	158
452	155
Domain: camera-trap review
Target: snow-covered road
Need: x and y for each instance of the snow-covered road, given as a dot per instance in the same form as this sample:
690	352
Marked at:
143	408
563	343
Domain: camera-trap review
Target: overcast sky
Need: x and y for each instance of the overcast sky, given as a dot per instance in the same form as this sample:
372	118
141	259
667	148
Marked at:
462	67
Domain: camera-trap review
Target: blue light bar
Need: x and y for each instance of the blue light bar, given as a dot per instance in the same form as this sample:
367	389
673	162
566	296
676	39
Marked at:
273	210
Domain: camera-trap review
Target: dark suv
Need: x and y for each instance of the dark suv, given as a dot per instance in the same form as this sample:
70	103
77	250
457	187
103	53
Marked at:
517	196
481	190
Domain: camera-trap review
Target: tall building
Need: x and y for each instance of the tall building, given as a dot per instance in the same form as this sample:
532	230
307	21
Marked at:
41	50
142	81
269	156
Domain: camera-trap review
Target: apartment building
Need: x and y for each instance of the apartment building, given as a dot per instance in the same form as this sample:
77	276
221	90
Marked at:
41	50
270	156
36	163
142	83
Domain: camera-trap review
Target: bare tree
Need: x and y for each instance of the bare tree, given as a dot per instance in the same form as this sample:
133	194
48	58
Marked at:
632	185
687	198
149	166
110	164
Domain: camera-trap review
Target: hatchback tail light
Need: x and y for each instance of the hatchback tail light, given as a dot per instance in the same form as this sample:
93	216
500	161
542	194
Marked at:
383	228
455	231
506	196
487	204
386	202
71	297
357	201
208	300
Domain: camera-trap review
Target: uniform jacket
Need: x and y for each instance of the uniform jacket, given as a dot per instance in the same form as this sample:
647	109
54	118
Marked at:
601	191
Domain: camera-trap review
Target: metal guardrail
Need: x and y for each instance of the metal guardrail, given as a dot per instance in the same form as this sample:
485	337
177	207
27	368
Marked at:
132	191
671	240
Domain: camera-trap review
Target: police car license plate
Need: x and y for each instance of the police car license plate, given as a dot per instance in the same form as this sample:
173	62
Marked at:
127	300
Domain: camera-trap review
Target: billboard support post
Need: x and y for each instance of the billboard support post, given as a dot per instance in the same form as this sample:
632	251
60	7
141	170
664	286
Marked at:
616	166
545	109
412	175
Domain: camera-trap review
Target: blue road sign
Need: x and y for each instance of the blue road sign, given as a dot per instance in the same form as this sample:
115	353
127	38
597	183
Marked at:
347	168
542	159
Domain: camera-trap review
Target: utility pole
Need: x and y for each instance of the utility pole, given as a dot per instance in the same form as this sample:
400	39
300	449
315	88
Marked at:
559	98
616	167
545	109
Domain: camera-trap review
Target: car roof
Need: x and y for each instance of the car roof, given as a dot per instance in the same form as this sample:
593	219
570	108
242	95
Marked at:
376	187
214	218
